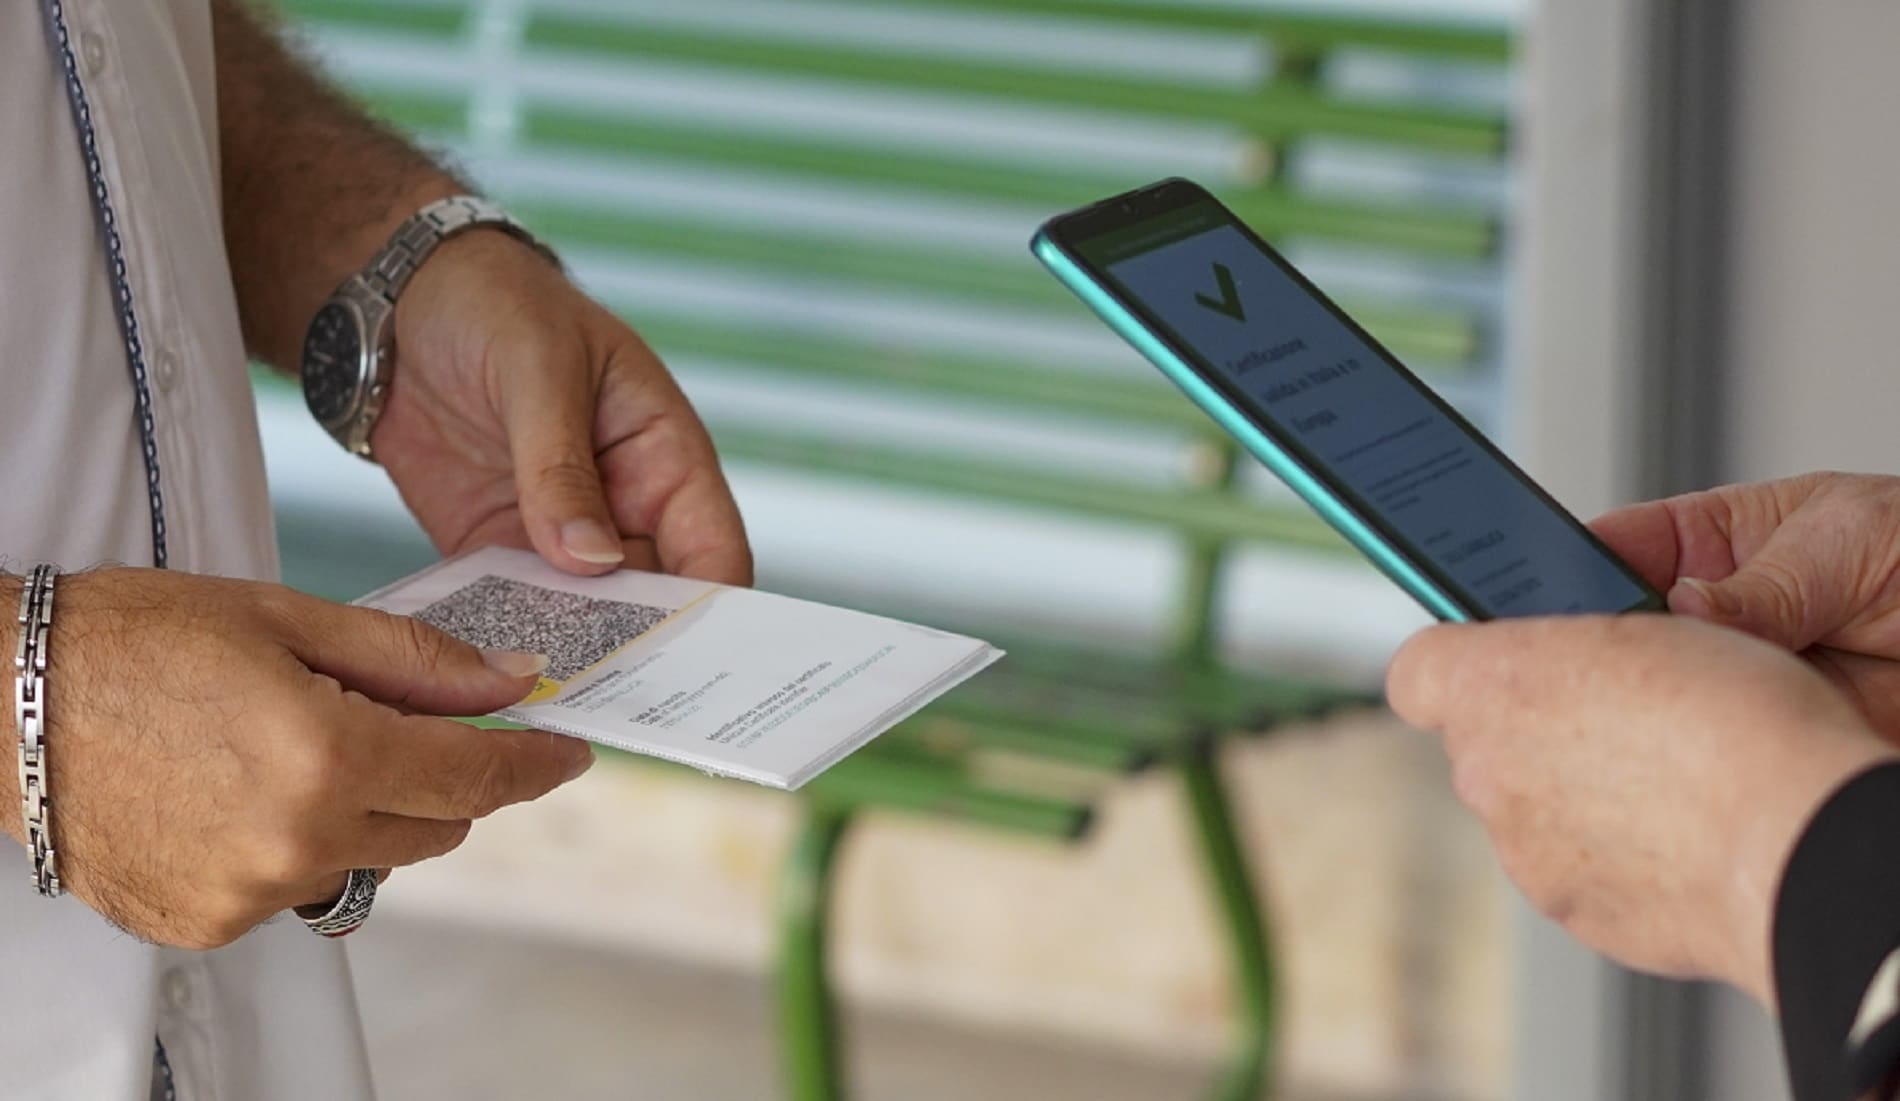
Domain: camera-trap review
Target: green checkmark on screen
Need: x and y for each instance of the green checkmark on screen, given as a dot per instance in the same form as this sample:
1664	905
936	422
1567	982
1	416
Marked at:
1229	301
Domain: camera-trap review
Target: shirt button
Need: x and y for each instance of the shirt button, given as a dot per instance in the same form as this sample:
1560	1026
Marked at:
165	370
93	49
176	988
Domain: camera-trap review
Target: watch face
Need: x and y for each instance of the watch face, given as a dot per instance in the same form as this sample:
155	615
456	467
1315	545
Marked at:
332	362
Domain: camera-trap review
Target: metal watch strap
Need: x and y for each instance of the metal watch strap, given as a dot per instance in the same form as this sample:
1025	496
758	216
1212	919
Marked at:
418	236
29	718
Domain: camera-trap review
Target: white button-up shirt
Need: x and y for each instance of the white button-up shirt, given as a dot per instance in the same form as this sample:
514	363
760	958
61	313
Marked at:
272	1017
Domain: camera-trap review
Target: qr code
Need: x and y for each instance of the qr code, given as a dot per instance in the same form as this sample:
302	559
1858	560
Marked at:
574	631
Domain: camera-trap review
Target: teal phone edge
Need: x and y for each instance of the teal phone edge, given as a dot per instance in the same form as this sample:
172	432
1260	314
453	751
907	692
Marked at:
1237	424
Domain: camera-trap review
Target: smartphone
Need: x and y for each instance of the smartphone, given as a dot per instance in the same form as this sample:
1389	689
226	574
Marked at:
1384	460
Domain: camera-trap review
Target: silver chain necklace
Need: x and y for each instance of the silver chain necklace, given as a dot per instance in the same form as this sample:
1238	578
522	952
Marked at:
115	256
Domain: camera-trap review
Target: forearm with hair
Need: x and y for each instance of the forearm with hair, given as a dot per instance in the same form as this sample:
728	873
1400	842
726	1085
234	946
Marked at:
312	184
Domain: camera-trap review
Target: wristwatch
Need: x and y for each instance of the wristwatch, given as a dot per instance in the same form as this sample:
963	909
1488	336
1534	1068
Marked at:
349	351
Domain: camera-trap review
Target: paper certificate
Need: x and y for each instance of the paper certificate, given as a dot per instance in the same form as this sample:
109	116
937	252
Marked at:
731	681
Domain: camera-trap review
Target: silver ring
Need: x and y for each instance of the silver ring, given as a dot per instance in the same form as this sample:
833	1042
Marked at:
351	908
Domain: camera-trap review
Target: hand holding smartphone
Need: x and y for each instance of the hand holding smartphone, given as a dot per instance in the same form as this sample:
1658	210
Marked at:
1384	460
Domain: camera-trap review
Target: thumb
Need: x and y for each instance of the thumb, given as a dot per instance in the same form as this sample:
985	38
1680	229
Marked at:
551	435
1778	595
406	663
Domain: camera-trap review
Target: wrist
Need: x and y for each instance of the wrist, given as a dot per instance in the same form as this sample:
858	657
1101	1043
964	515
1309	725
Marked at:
314	252
488	248
1771	825
361	234
376	223
354	341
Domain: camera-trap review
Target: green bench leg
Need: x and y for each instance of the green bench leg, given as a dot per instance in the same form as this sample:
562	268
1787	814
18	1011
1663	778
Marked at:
1248	1066
808	1025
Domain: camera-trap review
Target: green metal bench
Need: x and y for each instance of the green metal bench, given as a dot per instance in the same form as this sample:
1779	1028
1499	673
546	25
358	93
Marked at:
1105	713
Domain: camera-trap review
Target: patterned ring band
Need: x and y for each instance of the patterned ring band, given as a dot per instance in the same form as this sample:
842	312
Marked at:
351	908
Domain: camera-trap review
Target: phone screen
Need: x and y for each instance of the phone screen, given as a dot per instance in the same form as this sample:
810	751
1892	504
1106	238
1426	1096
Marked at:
1362	423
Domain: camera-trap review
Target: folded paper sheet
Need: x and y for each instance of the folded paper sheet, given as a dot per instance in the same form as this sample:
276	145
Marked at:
733	682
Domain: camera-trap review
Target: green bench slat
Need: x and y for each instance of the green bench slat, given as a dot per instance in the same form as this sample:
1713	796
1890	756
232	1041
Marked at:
1219	697
943	730
1120	715
1087	738
1287	30
441	20
1200	513
1434	335
894	783
1280	113
791	250
1446	39
1275	212
439	117
1184	700
842	359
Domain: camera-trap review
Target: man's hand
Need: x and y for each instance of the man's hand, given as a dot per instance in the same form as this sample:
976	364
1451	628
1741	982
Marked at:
523	413
1643	778
221	751
520	411
1811	564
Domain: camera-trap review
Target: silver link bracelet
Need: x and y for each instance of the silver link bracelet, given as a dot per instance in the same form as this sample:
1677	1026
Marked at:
29	718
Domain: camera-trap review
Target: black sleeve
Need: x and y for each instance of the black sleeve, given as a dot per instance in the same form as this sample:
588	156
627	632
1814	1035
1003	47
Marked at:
1836	923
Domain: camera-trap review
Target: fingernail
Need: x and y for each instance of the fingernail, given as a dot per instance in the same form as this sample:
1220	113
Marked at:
515	663
1692	596
589	541
580	765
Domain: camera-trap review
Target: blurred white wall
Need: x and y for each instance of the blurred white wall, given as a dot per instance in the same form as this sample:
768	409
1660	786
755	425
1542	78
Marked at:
1807	290
1815	279
1813	293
